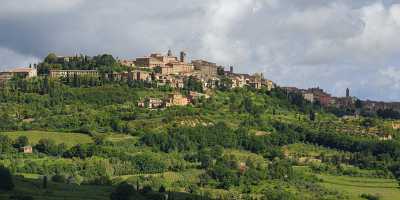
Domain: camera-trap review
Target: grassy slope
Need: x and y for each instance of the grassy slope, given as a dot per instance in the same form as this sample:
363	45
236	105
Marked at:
387	189
70	139
57	191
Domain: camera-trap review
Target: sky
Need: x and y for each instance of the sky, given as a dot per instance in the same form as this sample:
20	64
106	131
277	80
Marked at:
331	44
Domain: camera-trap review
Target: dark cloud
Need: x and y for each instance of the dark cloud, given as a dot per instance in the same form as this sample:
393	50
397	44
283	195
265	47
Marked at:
332	44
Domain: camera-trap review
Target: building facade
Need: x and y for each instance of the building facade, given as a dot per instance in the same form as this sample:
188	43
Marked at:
72	73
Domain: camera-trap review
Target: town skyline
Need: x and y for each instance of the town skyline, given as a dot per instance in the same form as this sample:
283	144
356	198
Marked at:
191	58
333	45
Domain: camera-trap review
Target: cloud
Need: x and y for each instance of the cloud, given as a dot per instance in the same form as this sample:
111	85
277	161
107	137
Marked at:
10	58
332	44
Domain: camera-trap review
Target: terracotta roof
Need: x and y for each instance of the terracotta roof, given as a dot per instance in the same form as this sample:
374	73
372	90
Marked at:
22	69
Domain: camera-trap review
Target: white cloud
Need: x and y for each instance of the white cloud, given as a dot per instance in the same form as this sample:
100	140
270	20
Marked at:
10	59
24	8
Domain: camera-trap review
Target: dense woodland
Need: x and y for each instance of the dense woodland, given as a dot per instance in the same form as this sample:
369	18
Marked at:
233	145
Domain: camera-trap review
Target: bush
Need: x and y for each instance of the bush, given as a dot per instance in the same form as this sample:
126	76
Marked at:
162	189
6	182
147	189
58	178
124	191
370	196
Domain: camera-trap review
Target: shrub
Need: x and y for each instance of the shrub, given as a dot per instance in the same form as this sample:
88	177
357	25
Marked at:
6	182
162	189
370	196
147	189
58	178
124	191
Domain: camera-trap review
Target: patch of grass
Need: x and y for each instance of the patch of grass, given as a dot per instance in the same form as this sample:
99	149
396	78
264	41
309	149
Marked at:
387	189
70	139
57	191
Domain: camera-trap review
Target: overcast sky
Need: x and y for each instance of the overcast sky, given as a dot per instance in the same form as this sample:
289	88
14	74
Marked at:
333	44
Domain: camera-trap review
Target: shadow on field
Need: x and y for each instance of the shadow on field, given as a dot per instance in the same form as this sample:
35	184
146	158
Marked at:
33	189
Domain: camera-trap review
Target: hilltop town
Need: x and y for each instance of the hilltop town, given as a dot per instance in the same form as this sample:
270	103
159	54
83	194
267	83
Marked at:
172	71
163	127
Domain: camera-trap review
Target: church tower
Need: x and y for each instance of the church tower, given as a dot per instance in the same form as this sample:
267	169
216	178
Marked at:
347	93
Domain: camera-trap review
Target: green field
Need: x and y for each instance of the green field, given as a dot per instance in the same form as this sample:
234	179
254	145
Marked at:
70	139
387	189
56	191
31	185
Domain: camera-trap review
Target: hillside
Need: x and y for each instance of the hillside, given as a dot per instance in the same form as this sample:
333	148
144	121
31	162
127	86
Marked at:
240	143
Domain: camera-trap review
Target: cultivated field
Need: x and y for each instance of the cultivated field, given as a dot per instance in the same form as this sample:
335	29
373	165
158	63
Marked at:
387	189
70	139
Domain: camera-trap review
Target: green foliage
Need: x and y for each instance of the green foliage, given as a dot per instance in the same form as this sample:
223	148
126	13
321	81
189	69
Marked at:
280	169
104	63
6	182
21	141
370	197
59	178
277	193
5	144
124	191
192	84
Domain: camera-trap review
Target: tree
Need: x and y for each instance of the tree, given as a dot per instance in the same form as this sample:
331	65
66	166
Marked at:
44	183
395	169
162	189
225	83
280	169
46	146
157	70
51	58
6	182
312	115
5	144
21	141
358	104
124	191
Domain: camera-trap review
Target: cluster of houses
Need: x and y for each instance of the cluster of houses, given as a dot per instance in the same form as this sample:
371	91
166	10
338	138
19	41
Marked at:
171	70
23	72
318	95
173	99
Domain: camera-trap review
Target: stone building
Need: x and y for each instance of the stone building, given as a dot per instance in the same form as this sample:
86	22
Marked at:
175	99
317	95
309	97
72	73
173	81
169	64
151	103
26	149
205	68
269	84
140	75
24	72
128	63
193	96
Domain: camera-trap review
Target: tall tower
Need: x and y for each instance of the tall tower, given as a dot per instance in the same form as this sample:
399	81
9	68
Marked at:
183	56
347	93
231	69
169	53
